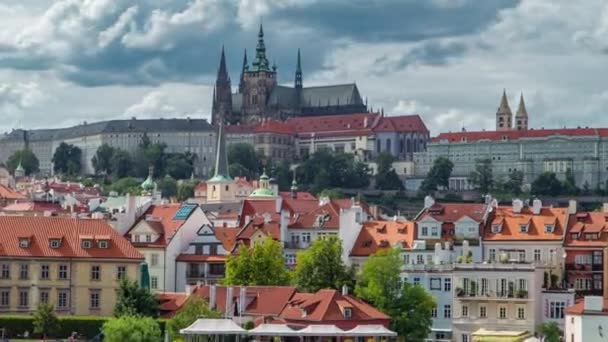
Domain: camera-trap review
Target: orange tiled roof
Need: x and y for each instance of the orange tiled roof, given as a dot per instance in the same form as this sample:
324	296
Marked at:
458	137
579	309
587	222
328	213
10	194
271	228
170	302
262	300
452	212
378	235
227	236
72	231
511	222
160	218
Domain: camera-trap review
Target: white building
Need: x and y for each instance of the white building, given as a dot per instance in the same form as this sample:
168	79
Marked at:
587	320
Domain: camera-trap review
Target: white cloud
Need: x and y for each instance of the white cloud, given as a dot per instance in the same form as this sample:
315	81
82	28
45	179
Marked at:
154	104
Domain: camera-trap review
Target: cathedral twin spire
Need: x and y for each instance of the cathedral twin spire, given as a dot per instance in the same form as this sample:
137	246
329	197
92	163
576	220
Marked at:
504	116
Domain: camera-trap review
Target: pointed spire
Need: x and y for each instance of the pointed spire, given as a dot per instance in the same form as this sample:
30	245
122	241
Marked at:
245	66
221	157
504	104
261	62
521	110
298	79
222	72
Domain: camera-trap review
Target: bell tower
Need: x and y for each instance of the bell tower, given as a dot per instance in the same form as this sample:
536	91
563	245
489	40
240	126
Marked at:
504	116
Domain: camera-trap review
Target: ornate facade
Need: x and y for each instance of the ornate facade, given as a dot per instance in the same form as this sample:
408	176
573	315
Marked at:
259	95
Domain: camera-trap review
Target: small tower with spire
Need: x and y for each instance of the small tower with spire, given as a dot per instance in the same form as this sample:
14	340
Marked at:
243	71
220	188
298	79
294	186
222	95
521	117
504	116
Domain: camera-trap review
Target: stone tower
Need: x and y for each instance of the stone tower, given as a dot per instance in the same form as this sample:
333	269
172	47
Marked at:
243	71
220	188
298	78
521	117
258	82
222	95
504	116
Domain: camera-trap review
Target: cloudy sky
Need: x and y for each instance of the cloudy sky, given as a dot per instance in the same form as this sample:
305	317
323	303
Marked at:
67	61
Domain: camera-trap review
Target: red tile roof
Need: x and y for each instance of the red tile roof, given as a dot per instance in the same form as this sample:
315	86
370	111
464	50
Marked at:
7	193
579	309
71	231
458	137
274	126
262	300
170	302
325	306
452	212
378	235
271	228
402	123
587	222
510	223
333	123
227	236
327	216
160	218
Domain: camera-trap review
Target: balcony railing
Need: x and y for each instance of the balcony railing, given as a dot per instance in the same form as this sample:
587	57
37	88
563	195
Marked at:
584	267
501	295
427	267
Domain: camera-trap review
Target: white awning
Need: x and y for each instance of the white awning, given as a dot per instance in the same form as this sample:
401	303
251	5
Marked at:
321	330
273	330
370	331
208	326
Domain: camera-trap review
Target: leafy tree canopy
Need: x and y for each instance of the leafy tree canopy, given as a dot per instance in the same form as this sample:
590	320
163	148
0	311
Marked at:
127	185
102	160
326	169
46	322
131	328
387	178
135	300
168	187
550	331
438	175
261	265
28	161
67	159
482	177
547	184
194	308
244	161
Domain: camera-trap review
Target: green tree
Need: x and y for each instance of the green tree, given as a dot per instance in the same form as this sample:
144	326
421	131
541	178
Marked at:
550	332
135	300
121	164
262	265
28	161
132	329
149	154
102	160
326	169
386	177
45	321
67	159
180	165
127	185
438	175
412	319
482	177
379	282
569	184
283	175
168	187
546	184
185	190
320	267
514	182
331	193
194	308
243	160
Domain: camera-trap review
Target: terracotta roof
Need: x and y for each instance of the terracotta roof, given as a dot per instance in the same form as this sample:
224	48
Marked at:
201	186
161	218
258	207
579	309
300	205
324	305
271	228
402	123
452	212
40	229
378	235
335	124
170	302
242	129
227	236
274	126
587	222
511	222
300	195
7	193
201	258
262	300
326	216
458	137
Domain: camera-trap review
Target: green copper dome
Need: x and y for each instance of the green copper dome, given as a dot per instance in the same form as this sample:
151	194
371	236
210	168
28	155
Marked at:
148	184
262	192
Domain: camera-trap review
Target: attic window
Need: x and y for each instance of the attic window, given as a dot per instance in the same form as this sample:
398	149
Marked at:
384	243
402	231
367	243
496	228
523	228
348	312
591	236
549	228
103	244
86	244
574	236
381	229
24	242
54	243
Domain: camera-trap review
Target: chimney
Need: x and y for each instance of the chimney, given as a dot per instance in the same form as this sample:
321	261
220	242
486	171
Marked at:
212	296
429	201
517	206
278	204
536	206
344	290
572	207
605	207
323	201
594	303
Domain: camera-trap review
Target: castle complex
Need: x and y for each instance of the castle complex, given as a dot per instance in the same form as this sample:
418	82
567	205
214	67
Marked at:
260	97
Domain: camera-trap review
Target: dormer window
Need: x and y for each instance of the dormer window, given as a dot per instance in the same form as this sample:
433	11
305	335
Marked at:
574	236
24	242
148	238
402	231
367	243
549	228
348	312
381	229
136	238
383	243
496	228
591	236
523	228
103	244
54	243
86	244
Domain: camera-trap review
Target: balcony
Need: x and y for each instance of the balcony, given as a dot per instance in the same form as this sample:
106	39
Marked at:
513	295
584	267
296	245
427	268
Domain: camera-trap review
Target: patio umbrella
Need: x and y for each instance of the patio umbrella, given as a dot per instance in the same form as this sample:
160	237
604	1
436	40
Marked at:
144	276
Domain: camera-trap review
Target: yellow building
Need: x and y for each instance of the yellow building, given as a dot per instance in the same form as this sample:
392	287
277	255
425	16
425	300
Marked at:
73	264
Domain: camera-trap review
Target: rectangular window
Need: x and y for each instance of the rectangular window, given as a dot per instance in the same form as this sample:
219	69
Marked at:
521	313
198	250
154	282
416	280
419	259
556	310
63	272
465	311
5	271
502	312
492	254
148	238
447	311
434	312
425	231
537	255
44	271
63	299
484	286
154	259
523	284
24	296
24	271
434	231
121	272
44	296
5	297
95	272
447	284
483	312
406	259
465	338
522	256
94	299
435	284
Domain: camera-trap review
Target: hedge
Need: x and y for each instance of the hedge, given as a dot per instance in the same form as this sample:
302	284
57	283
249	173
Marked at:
87	326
